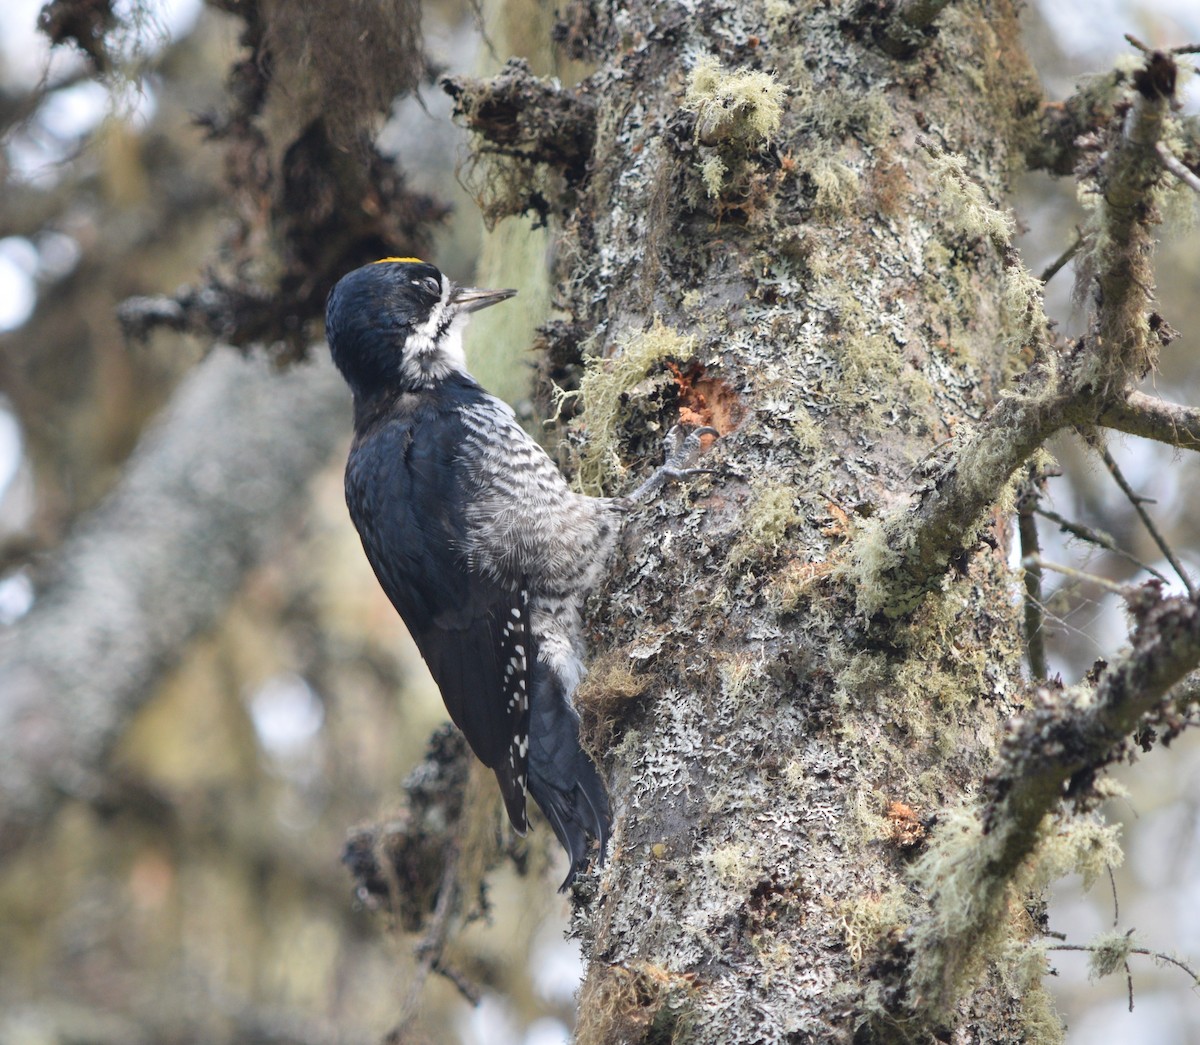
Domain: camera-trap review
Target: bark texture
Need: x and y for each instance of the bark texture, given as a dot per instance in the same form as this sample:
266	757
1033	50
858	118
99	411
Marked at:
764	241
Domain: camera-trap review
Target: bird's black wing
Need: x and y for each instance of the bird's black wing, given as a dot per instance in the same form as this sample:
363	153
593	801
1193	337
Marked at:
473	631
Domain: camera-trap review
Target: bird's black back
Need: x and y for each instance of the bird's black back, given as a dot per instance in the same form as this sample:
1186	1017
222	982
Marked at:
403	478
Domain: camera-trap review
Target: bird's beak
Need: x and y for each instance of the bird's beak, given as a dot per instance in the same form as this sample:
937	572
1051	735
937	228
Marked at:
472	299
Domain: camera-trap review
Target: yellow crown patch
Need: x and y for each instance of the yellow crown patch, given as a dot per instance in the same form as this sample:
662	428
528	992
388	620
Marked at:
415	261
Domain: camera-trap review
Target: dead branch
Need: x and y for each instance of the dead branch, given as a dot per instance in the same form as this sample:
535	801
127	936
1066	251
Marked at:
1177	167
528	117
1056	266
304	179
1097	537
425	866
923	540
1159	956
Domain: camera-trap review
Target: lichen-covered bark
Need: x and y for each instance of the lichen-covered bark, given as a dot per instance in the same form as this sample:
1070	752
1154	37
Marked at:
756	185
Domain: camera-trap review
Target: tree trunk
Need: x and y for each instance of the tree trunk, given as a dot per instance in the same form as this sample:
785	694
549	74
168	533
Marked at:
767	238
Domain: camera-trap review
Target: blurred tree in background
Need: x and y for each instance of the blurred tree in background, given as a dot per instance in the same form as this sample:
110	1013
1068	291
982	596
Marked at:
222	691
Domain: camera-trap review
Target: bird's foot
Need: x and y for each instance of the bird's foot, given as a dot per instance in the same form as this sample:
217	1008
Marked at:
680	448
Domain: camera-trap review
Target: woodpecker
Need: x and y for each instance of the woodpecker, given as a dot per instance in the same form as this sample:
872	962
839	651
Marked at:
482	547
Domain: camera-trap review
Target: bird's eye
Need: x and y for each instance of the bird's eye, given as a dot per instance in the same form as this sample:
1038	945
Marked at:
434	286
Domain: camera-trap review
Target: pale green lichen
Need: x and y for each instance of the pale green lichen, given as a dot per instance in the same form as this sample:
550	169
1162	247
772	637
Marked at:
746	105
1025	316
736	111
836	183
604	382
737	675
868	920
712	173
871	557
1110	952
735	866
969	208
765	522
833	115
973	911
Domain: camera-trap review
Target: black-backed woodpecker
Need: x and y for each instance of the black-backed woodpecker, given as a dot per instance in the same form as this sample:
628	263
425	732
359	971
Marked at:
476	538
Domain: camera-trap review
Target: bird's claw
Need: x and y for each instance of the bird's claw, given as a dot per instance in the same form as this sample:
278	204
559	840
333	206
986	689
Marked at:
680	447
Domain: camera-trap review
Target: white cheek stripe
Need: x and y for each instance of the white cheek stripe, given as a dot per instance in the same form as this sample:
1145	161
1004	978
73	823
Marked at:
425	360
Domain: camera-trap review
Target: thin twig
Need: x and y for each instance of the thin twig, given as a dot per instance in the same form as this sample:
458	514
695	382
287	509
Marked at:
470	991
1074	574
429	949
1058	263
1144	951
1111	464
1177	167
1112	880
1098	538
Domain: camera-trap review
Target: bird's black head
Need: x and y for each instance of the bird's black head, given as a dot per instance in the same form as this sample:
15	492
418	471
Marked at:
397	325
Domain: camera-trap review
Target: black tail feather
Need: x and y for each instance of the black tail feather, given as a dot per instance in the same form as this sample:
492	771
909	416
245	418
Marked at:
562	778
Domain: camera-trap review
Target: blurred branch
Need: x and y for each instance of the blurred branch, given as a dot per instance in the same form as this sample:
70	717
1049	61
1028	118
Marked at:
1184	173
1052	270
1035	636
1155	534
530	117
426	864
59	1020
201	501
1082	576
1098	538
1159	956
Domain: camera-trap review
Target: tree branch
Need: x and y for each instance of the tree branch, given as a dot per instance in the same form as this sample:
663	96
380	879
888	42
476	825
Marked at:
1035	635
1098	538
1120	272
1052	752
1151	418
1177	167
1147	520
200	503
921	543
528	117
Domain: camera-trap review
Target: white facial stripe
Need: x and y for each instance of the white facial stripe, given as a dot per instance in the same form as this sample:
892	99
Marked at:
426	359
